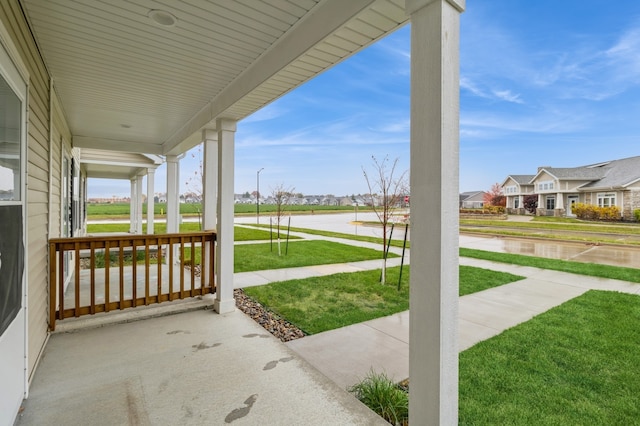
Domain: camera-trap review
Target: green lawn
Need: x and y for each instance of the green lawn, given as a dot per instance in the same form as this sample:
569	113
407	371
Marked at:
325	303
96	211
239	233
576	364
590	269
566	224
256	257
376	240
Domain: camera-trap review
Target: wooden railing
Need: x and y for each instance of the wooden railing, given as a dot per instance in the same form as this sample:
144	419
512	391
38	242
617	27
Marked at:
118	272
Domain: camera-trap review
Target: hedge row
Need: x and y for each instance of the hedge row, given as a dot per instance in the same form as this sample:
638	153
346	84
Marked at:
485	210
591	212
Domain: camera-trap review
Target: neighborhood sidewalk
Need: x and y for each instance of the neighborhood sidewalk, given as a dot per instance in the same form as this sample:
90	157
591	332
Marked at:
347	354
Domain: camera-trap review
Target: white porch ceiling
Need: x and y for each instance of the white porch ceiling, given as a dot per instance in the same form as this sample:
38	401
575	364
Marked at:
98	163
127	83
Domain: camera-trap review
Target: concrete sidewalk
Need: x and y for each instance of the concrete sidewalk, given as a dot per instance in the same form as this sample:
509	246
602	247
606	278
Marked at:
347	354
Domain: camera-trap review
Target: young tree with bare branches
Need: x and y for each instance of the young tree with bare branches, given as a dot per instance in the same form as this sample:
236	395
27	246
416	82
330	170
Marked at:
387	188
282	196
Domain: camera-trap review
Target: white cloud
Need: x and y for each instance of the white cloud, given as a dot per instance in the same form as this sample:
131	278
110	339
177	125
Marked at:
506	95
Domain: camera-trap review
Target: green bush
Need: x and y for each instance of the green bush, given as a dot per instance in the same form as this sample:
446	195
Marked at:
636	214
383	396
495	209
592	212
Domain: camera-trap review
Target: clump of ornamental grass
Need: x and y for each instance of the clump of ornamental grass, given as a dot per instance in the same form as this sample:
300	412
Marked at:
384	397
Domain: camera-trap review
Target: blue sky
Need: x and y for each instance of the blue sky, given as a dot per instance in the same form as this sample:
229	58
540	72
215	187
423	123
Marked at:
542	83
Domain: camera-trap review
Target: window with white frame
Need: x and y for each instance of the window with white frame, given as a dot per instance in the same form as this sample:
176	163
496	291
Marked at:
551	202
606	199
545	186
516	203
511	189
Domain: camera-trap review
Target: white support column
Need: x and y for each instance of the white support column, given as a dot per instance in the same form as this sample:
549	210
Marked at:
132	207
151	202
173	196
435	86
224	253
541	203
209	187
559	201
139	205
210	178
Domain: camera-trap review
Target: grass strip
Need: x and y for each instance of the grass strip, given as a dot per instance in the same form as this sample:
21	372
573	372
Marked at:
256	257
375	240
587	237
324	303
590	269
239	233
612	228
573	365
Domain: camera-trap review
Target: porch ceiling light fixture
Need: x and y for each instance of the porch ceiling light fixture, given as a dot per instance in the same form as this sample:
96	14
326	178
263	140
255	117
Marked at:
162	17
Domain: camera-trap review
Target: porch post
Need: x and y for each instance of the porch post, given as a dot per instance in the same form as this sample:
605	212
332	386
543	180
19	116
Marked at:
139	205
560	204
210	178
541	206
433	326
132	206
224	254
151	202
173	201
209	186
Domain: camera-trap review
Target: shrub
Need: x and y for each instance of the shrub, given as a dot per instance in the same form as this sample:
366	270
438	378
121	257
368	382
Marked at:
495	209
530	203
636	214
590	212
383	396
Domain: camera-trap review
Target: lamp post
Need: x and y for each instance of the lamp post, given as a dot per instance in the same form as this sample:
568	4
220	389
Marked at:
258	195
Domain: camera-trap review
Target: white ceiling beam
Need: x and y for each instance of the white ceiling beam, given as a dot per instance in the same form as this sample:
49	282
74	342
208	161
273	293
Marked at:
324	19
116	145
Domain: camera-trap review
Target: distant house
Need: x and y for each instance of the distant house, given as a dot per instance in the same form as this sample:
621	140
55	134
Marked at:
472	200
515	188
610	183
330	200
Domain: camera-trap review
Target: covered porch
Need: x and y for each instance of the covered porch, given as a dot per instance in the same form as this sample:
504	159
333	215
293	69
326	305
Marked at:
158	78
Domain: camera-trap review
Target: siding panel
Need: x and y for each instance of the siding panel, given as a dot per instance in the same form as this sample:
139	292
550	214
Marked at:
38	178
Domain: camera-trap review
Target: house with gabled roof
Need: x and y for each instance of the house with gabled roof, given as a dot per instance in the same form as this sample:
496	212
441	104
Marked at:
515	188
605	184
472	200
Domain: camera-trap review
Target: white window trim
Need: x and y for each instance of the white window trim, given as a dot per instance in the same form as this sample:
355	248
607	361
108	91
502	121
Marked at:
611	198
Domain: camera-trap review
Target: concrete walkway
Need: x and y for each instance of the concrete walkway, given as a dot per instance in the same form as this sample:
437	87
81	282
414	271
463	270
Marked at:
347	354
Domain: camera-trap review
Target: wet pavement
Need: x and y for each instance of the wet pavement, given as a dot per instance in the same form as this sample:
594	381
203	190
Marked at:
628	256
579	252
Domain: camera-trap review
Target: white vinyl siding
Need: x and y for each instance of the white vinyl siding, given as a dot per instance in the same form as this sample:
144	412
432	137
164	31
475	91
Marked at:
37	179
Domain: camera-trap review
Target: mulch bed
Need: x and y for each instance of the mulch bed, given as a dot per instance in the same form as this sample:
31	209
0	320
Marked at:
280	328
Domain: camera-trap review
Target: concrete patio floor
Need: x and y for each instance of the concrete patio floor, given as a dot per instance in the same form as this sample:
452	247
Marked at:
192	368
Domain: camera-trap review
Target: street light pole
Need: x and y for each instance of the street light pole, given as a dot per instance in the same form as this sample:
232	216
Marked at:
258	195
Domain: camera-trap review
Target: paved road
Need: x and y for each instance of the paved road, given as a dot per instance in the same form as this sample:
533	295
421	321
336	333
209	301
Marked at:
576	251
